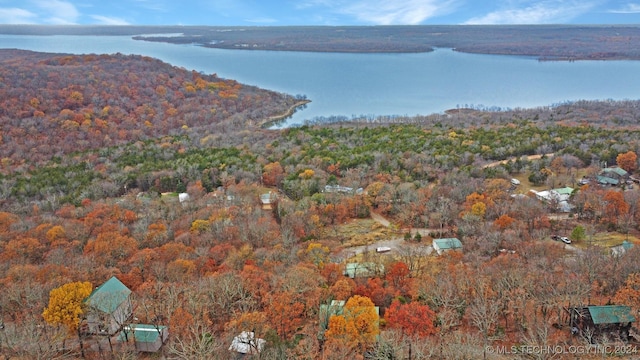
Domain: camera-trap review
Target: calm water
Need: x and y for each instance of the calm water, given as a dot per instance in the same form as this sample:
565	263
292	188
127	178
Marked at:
379	84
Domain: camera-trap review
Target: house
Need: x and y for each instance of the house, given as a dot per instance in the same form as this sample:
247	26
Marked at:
446	244
267	199
612	322
336	307
607	181
246	343
147	338
556	197
109	308
615	173
366	269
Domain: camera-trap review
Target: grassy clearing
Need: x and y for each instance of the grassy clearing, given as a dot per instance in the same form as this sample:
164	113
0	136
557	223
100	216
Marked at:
609	239
358	232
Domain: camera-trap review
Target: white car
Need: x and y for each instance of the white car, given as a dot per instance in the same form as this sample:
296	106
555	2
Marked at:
565	240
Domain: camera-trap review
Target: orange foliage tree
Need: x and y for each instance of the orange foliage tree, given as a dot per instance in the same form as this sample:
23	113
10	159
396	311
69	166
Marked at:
629	294
628	161
615	206
285	312
358	325
413	318
272	174
109	248
504	222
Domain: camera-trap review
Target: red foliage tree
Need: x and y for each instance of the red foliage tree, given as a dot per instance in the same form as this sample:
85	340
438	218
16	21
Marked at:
413	318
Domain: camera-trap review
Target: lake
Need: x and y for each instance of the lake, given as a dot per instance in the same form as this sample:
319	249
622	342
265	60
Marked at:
344	84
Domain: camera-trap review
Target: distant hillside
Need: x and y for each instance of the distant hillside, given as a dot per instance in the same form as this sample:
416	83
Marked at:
546	42
54	104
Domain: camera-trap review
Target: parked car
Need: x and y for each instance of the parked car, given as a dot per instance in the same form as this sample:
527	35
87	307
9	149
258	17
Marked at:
565	240
555	237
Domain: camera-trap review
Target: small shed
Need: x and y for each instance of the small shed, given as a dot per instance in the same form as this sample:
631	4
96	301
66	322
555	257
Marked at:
109	307
446	244
147	338
247	343
597	322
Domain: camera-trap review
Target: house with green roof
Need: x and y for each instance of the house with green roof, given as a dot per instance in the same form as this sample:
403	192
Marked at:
616	172
362	269
335	307
446	244
604	321
147	338
108	308
608	181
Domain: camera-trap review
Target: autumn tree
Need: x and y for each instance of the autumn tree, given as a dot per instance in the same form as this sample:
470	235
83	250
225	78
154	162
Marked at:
358	324
111	247
413	319
615	206
343	288
317	254
628	161
272	174
504	222
629	294
285	312
66	304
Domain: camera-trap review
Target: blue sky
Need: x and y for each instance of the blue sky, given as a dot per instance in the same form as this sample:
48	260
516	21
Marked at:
318	12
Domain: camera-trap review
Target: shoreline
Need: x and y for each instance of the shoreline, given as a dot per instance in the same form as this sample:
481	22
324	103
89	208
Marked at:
274	119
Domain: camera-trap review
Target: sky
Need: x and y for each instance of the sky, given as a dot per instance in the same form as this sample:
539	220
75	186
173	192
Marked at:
317	12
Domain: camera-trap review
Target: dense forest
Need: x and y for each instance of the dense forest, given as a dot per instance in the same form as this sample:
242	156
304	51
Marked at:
545	42
125	166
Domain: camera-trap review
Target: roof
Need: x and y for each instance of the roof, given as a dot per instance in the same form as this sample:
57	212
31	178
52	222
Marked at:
611	314
108	296
564	191
448	243
246	343
607	180
353	270
616	170
143	332
627	245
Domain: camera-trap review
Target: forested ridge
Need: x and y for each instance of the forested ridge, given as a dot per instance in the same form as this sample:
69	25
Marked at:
55	104
545	42
77	209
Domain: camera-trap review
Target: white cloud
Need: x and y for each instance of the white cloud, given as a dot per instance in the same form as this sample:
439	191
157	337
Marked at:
16	16
105	20
58	12
385	12
630	8
544	12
